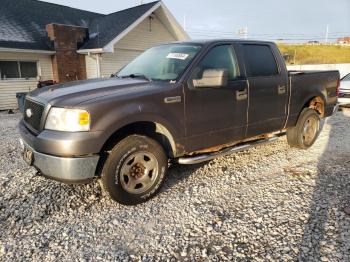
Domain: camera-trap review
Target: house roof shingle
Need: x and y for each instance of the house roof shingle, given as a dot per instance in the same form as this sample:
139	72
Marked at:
23	22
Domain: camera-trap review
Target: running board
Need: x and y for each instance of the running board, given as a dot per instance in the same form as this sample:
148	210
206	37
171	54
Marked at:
227	151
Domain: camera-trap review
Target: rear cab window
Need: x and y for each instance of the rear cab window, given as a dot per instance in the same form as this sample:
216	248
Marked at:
259	60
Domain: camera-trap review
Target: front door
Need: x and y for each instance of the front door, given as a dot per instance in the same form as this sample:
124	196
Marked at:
216	115
267	89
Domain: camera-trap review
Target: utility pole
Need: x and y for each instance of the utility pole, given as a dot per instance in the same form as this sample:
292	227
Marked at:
243	32
327	32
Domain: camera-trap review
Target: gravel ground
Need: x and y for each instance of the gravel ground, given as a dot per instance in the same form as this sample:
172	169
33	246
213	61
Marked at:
267	203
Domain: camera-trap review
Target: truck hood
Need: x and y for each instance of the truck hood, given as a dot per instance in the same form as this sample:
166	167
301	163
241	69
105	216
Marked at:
74	93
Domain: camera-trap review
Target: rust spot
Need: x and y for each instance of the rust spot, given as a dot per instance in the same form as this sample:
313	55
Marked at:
179	146
212	149
231	144
317	104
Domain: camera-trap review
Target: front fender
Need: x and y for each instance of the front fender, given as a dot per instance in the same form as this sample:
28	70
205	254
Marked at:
168	118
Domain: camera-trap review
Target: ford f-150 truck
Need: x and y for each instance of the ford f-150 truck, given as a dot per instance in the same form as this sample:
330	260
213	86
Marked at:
185	102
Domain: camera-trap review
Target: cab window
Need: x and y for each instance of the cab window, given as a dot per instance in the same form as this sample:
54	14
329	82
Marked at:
259	60
219	57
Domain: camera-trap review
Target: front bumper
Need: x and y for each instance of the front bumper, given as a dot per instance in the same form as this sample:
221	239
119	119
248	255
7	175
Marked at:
64	169
77	169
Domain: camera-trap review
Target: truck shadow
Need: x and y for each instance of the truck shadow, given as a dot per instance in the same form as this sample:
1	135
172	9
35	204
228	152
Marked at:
178	173
326	233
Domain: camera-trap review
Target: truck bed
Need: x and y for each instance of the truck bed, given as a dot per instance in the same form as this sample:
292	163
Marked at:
305	83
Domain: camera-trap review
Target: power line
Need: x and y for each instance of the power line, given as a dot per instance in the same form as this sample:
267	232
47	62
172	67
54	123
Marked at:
311	35
275	34
268	36
208	30
271	38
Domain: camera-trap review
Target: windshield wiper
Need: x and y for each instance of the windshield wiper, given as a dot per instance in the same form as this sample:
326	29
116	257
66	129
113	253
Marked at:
137	76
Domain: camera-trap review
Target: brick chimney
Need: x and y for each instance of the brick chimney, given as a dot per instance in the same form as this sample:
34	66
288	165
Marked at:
67	64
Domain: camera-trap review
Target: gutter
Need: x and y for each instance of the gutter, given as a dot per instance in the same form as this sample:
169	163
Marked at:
90	51
17	50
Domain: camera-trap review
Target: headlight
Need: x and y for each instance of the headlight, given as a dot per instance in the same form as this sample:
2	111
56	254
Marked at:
72	120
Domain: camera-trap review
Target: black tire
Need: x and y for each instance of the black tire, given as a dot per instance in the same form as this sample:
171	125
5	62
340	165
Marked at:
296	135
132	155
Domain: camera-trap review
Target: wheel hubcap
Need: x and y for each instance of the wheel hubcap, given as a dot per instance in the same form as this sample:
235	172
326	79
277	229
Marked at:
138	172
310	130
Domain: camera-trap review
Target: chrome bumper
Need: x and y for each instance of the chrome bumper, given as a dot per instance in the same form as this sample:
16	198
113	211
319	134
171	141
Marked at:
65	169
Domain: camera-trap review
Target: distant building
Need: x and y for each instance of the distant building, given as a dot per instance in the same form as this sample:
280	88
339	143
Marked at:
344	40
313	42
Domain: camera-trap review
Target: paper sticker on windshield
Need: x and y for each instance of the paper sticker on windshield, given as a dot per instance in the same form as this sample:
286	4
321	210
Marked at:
180	56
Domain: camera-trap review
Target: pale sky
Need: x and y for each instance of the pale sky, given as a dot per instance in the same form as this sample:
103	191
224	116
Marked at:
297	20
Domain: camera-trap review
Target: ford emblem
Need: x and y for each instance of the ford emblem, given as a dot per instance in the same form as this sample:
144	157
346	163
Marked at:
29	113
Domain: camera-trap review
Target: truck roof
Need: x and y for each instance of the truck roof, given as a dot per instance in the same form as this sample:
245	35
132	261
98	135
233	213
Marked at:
213	41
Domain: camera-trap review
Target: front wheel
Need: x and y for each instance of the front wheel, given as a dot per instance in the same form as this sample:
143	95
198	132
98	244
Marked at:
134	170
306	131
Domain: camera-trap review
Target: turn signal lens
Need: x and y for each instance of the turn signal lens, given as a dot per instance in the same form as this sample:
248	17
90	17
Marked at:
84	118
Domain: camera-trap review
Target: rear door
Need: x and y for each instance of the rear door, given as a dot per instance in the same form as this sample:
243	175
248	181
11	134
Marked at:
216	115
267	88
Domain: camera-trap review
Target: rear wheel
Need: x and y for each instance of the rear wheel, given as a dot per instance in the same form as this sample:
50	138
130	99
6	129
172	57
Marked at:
306	131
134	170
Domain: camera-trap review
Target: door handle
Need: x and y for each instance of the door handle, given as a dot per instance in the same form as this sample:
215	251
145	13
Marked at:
281	90
172	100
241	94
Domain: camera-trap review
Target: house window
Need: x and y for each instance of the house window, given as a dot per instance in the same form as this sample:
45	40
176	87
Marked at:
18	69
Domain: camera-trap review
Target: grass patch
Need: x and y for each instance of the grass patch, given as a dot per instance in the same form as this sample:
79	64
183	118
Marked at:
315	54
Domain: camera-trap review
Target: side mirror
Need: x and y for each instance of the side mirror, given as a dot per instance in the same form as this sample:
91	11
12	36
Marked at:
212	78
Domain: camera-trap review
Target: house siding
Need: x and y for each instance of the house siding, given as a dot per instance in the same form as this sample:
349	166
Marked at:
91	68
112	63
129	47
9	88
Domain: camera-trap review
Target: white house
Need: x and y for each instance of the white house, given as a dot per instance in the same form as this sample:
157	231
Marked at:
54	42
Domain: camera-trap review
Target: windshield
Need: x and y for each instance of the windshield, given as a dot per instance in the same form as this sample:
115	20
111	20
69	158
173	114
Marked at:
165	62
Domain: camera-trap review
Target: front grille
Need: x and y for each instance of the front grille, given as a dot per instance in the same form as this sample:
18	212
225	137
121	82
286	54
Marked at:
32	114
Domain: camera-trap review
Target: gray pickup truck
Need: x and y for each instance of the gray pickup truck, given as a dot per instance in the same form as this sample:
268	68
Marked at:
185	103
